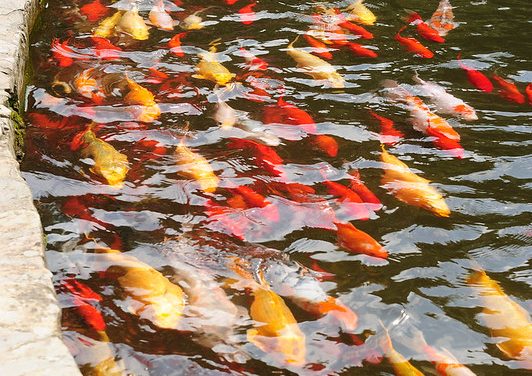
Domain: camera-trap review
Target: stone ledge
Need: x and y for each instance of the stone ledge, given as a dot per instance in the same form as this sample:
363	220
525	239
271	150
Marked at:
30	335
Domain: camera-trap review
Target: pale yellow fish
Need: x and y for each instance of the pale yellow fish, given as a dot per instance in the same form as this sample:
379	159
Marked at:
133	24
315	67
160	18
109	163
410	188
153	296
210	69
504	318
192	22
197	168
106	28
361	14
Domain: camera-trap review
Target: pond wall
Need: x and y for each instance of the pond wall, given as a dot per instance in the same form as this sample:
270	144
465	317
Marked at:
30	335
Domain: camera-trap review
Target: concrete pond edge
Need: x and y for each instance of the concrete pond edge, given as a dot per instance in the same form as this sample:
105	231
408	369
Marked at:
30	335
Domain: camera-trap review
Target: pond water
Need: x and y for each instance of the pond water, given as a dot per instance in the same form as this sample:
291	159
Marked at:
232	209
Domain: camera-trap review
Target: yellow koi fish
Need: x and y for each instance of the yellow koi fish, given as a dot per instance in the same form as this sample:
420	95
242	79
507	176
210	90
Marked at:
410	188
109	163
154	297
400	365
277	330
361	14
133	24
192	22
504	317
210	69
197	167
315	67
106	28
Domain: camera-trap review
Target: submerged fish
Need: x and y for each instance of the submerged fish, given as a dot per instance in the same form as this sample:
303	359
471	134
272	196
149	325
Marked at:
160	18
315	67
133	24
210	69
508	90
358	241
400	365
423	29
442	19
106	28
478	79
139	95
410	188
413	45
505	318
108	162
197	167
360	13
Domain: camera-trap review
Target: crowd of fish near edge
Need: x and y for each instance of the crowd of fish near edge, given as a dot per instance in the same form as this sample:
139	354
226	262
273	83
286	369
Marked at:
157	299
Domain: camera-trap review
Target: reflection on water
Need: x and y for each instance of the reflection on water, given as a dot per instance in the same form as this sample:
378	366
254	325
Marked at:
216	198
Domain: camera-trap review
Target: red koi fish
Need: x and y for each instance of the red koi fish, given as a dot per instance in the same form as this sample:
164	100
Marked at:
247	15
358	241
445	143
367	196
344	194
323	275
325	143
388	134
294	191
424	29
64	54
105	49
254	62
230	2
356	29
529	92
508	90
83	296
320	47
266	157
360	50
287	113
44	121
413	45
155	150
252	199
477	79
175	44
156	76
94	11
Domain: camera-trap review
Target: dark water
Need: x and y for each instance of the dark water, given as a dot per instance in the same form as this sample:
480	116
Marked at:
159	216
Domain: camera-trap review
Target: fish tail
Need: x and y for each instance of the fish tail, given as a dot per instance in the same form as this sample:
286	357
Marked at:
291	45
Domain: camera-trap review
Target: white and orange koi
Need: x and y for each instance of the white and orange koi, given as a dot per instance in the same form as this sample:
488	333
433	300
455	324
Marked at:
160	18
442	19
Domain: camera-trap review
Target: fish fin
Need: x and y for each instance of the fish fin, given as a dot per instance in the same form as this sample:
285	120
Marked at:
291	45
417	79
253	337
199	76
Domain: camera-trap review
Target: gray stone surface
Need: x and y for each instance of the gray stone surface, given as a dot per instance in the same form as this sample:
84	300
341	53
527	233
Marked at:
30	336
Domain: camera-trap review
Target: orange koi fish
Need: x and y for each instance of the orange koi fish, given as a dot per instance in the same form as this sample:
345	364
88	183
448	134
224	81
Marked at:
276	331
529	93
504	318
266	157
445	143
251	198
323	275
294	191
75	207
413	45
325	143
410	188
320	48
87	86
358	241
442	19
94	10
349	196
400	365
287	113
247	15
139	95
175	44
356	29
360	50
196	167
508	90
151	295
388	134
478	79
358	186
160	18
44	121
108	162
424	29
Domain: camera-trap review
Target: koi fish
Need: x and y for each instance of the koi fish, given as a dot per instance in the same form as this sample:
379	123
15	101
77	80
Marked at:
139	95
388	134
108	162
156	76
265	156
153	296
400	365
529	92
105	49
325	143
360	50
446	103
508	90
225	115
358	186
504	317
44	121
424	29
94	10
247	15
87	86
413	45
442	19
320	48
192	22
107	27
63	53
355	240
175	44
477	79
160	18
196	167
315	67
356	29
410	188
254	62
360	13
251	198
276	328
294	191
289	114
445	143
210	69
358	210
132	24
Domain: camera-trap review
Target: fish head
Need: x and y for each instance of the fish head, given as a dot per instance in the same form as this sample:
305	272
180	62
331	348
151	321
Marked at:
223	78
466	112
115	174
